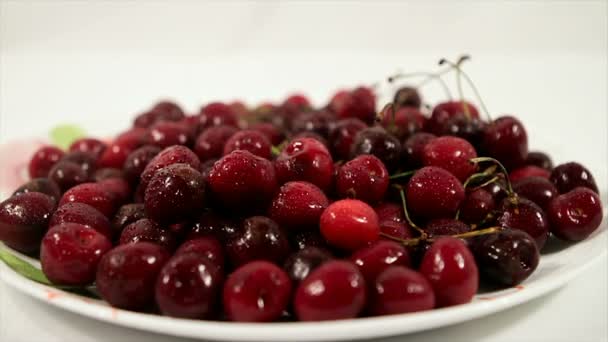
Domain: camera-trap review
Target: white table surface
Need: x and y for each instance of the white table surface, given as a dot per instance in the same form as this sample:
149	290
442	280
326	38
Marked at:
97	63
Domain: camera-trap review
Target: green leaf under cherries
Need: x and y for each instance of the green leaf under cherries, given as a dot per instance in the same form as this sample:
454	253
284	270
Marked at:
64	135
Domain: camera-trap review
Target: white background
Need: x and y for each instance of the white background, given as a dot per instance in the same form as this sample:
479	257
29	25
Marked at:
97	63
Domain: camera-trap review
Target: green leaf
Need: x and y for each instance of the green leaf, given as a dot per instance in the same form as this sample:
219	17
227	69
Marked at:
23	267
64	135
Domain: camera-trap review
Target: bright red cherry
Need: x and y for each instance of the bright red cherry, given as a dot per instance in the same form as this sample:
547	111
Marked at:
452	154
82	214
92	194
88	145
575	214
298	205
305	159
364	178
433	192
377	257
249	140
450	268
527	172
349	224
358	103
170	155
43	160
399	290
208	247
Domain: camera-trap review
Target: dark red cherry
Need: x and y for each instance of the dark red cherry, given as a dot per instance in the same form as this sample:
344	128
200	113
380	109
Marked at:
506	140
575	214
433	192
523	214
572	175
165	134
137	161
42	185
131	139
188	286
260	238
470	129
527	172
450	268
400	290
364	178
67	174
170	110
298	205
349	224
407	97
243	181
447	110
272	132
540	159
537	189
311	135
24	220
119	188
114	156
301	263
88	145
126	215
476	206
93	194
507	257
86	160
358	103
82	214
378	142
413	149
310	238
388	211
320	122
107	173
305	159
216	114
146	230
170	155
126	274
445	226
147	119
452	154
249	140
335	290
256	292
400	230
377	257
342	135
43	160
211	224
208	247
296	103
174	193
405	122
70	252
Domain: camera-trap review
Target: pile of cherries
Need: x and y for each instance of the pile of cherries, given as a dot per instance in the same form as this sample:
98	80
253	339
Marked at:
291	212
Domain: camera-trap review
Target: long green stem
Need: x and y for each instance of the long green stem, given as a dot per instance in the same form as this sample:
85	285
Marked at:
499	164
422	233
456	66
430	76
402	174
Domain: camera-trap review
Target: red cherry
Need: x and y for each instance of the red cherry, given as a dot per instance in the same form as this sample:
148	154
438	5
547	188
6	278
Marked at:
575	214
272	132
450	268
82	214
404	123
335	290
137	161
256	292
88	145
146	230
525	215
249	140
476	206
208	247
447	110
388	211
342	136
527	172
452	154
413	149
24	220
537	189
43	160
165	134
349	224
298	205
443	226
400	290
92	194
170	155
216	114
364	178
305	159
42	185
506	140
359	103
433	192
572	175
377	257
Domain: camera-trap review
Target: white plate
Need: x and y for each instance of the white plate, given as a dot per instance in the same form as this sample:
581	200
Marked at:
555	269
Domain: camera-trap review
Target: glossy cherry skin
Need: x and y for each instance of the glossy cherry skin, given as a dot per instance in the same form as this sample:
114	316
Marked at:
256	292
208	247
378	256
445	226
249	140
82	214
126	215
450	268
470	129
407	97
571	175
389	211
506	258
260	238
452	154
171	155
309	238
342	135
43	160
400	230
335	290
539	159
447	110
298	205
174	193
575	214
305	159
405	122
210	143
170	111
349	224
165	134
126	275
358	103
299	264
216	114
399	290
88	145
525	215
413	149
242	181
476	206
24	219
188	286
70	252
211	224
137	161
42	185
320	122
506	140
272	132
527	172
114	156
537	189
146	230
433	192
378	142
92	194
364	178
67	174
119	188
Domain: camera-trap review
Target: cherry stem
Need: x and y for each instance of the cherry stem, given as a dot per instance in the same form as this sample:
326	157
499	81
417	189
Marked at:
422	233
405	242
402	174
473	233
436	76
487	172
415	241
275	150
499	164
456	66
